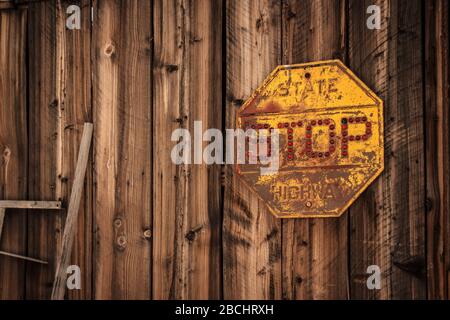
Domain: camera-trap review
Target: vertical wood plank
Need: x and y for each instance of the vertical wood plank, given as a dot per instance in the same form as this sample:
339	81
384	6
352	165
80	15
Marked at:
371	222
315	251
437	123
167	110
13	148
251	235
388	220
187	198
45	146
74	93
122	149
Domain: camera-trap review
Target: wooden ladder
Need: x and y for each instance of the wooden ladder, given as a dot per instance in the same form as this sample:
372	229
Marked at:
59	284
10	204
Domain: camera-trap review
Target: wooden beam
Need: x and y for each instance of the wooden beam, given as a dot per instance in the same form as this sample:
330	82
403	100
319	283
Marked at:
18	256
59	284
18	204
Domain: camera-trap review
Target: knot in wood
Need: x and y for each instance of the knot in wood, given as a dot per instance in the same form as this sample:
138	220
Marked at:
121	241
109	50
6	153
147	234
118	222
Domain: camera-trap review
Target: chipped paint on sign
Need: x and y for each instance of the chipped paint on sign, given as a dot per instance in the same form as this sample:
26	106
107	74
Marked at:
331	139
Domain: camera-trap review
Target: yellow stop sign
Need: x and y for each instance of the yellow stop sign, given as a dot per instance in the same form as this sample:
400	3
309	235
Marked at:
330	127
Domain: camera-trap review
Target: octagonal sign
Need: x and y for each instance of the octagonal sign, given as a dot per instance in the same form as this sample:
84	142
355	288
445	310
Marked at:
330	127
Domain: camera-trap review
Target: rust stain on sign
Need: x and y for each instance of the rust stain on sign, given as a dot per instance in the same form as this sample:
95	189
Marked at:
330	126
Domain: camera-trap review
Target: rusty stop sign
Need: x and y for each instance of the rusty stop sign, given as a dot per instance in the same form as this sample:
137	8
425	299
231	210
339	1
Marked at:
330	128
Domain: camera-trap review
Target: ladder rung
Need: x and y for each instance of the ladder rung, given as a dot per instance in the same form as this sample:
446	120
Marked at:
25	204
18	256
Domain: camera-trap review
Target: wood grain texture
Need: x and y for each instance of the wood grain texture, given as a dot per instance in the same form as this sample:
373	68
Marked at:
122	148
437	141
150	229
44	144
187	198
74	93
13	147
315	251
387	225
251	234
73	210
44	147
27	204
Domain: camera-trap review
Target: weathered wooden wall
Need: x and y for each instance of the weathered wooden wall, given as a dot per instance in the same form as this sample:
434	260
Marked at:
149	229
